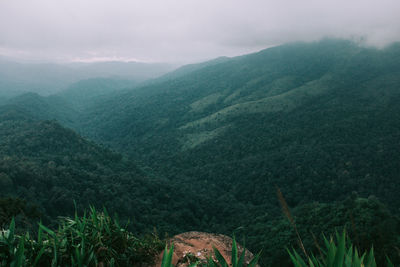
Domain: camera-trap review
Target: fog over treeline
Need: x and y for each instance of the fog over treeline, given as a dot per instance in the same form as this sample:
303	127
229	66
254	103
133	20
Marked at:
183	31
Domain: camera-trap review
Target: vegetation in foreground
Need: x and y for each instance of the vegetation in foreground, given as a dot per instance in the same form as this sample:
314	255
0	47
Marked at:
336	254
94	239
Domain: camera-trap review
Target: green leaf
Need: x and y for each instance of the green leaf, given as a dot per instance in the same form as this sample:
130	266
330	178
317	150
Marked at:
19	256
389	262
40	233
370	262
11	232
39	255
338	261
50	232
294	259
211	263
331	254
167	256
315	261
254	261
348	256
241	259
234	257
221	260
299	259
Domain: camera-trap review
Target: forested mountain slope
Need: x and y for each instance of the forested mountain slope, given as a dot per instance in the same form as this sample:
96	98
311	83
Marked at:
319	120
85	93
186	69
67	105
43	107
51	166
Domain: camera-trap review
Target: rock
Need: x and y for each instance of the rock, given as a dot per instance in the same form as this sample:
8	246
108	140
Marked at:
190	247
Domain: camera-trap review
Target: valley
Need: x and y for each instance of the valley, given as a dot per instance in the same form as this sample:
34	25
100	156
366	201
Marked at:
206	146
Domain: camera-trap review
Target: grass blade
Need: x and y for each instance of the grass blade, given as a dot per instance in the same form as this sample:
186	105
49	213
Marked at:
221	260
338	261
254	261
234	257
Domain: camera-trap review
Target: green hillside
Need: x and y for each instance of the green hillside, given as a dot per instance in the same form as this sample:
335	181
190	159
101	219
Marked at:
43	108
319	120
51	166
86	93
205	147
315	118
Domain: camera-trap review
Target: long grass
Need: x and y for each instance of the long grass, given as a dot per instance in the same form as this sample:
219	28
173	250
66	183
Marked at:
339	253
286	211
94	239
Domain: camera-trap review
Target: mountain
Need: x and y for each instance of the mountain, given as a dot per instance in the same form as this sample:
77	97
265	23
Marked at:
49	78
67	105
316	118
186	69
50	167
82	94
43	108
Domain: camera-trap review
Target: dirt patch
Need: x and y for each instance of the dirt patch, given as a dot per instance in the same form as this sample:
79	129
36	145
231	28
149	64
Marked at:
198	246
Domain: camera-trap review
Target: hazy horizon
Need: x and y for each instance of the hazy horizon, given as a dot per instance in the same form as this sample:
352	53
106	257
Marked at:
173	31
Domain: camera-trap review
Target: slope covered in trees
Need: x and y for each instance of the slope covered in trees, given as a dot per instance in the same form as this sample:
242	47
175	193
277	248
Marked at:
85	93
43	108
51	166
318	120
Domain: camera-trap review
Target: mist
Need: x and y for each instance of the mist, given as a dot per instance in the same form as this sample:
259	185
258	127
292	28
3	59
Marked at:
183	31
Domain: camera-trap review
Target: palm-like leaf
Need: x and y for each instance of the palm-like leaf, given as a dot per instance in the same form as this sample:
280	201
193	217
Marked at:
337	256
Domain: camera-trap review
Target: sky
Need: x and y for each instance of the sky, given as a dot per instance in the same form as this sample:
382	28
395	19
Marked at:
184	31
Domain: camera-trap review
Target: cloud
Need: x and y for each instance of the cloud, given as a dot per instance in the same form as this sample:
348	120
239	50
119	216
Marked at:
184	30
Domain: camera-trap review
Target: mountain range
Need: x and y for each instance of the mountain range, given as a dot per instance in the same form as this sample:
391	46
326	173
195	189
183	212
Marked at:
206	146
50	78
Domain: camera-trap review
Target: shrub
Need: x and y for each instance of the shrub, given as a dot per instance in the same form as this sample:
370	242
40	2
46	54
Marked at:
337	254
94	239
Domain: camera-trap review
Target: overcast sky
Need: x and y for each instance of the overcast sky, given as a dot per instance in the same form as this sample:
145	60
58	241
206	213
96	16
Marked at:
185	30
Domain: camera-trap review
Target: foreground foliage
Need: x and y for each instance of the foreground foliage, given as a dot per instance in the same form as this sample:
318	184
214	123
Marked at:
95	239
337	254
367	221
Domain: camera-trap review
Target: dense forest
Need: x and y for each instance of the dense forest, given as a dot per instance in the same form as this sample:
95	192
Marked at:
51	166
205	148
